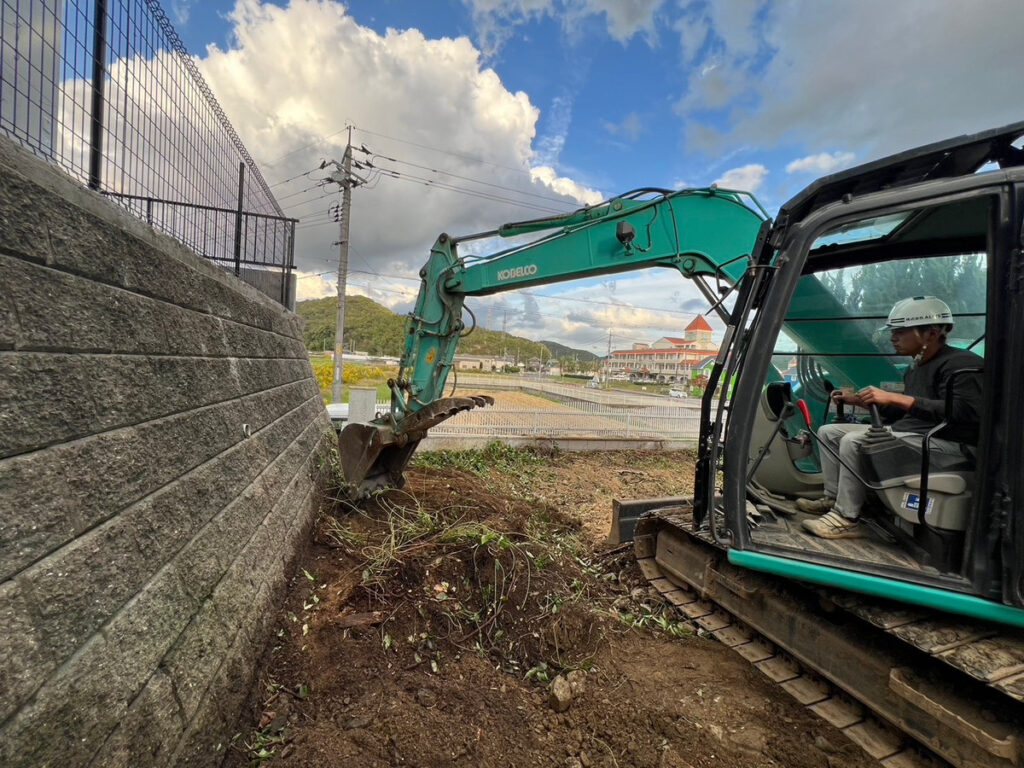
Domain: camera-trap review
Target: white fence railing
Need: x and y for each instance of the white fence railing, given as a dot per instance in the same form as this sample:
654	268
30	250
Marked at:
608	396
583	414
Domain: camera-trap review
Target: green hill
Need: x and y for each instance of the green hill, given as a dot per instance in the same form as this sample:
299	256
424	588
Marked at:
377	330
563	352
369	327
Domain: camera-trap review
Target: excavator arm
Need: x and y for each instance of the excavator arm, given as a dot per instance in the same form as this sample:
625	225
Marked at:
702	233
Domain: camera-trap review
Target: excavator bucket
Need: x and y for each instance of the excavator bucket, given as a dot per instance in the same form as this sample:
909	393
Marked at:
374	456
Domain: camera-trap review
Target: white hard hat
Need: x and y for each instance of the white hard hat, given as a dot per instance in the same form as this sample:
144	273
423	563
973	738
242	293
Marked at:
919	310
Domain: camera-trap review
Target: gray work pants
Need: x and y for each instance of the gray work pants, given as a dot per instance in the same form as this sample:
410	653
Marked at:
846	440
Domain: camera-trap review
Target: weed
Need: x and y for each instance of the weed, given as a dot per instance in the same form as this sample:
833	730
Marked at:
538	672
659	619
340	534
494	457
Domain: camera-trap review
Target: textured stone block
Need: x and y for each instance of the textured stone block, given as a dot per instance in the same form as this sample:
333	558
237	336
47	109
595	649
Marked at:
144	630
64	311
147	734
195	657
25	658
236	591
10	328
80	587
165	521
39	520
59	728
56	398
72	715
59	311
190	332
84	245
24	230
206	739
44	400
72	487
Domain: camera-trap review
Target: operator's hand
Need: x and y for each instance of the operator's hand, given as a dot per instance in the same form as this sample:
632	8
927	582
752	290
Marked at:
882	397
849	397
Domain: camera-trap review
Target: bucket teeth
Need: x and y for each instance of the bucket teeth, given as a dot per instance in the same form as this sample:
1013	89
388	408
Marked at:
374	456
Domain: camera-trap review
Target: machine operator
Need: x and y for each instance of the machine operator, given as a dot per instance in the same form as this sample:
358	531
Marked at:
918	327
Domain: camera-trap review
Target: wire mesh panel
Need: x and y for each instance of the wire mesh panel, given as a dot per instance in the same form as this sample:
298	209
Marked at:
577	419
106	89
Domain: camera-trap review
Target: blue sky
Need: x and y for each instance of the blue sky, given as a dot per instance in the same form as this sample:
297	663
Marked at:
516	108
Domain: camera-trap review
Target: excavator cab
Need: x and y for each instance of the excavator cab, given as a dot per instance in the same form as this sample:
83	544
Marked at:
842	253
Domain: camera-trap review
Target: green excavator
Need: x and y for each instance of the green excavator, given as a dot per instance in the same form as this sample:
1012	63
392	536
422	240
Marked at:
910	638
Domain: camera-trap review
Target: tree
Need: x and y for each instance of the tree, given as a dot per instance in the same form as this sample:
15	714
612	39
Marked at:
871	290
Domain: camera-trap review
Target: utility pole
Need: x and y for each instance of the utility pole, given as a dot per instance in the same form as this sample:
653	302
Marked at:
344	177
504	337
608	360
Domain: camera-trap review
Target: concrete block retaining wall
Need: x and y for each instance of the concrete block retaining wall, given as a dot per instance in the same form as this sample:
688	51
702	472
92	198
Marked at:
159	428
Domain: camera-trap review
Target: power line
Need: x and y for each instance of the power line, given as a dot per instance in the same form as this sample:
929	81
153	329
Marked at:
301	191
296	205
293	178
470	193
483	183
310	144
442	151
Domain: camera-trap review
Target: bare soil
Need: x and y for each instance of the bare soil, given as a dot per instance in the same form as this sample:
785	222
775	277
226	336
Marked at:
430	626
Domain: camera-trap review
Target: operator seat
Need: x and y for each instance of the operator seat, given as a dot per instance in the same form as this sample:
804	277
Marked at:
896	466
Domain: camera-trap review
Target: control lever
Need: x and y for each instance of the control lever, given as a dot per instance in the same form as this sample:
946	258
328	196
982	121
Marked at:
876	416
804	411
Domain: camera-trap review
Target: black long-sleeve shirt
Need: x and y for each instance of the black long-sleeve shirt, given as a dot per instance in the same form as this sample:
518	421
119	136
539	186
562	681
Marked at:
926	383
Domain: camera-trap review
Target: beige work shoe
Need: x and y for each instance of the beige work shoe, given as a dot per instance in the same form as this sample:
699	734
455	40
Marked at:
832	525
815	506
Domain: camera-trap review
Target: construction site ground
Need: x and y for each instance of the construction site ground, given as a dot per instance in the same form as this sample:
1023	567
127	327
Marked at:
478	618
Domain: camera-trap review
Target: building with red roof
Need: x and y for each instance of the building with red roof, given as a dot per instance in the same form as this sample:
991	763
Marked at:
669	359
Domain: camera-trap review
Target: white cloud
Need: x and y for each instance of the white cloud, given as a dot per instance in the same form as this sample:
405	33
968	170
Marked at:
312	285
823	162
693	33
747	177
631	127
181	10
566	187
735	23
875	76
634	306
627	18
326	72
496	20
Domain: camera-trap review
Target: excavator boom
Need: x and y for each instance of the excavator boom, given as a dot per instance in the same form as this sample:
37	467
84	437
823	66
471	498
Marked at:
701	233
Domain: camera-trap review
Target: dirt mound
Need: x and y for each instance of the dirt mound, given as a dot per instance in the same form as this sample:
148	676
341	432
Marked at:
470	620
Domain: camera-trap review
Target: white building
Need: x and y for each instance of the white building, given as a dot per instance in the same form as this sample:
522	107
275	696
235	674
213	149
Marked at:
669	359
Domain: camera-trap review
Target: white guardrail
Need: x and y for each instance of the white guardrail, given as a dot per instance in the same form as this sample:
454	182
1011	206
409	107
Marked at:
581	413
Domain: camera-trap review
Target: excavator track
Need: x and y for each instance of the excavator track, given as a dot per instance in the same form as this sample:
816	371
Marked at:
911	687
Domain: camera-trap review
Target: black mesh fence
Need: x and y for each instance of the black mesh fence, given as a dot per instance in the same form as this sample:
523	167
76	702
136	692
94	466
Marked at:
106	90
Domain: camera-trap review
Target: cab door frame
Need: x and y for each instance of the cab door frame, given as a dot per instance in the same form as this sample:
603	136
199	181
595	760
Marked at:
790	262
1006	525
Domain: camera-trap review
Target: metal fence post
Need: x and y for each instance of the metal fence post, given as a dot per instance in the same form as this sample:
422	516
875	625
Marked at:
286	278
99	76
238	220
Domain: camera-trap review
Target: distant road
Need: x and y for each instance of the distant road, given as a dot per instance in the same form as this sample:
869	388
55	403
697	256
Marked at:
601	396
